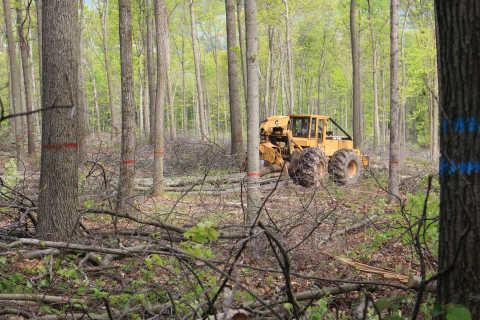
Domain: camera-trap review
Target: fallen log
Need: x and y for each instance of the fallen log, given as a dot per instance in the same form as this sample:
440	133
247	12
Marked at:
213	179
414	282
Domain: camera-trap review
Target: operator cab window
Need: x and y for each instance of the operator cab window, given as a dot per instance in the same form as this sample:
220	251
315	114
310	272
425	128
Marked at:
300	127
314	124
320	130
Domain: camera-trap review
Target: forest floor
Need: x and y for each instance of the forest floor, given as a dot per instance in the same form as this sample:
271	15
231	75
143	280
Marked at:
188	255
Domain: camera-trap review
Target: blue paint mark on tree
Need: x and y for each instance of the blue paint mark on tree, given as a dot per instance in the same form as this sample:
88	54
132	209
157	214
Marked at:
464	168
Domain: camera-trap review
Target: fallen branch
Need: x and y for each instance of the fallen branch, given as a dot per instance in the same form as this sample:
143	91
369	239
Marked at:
43	298
355	226
220	235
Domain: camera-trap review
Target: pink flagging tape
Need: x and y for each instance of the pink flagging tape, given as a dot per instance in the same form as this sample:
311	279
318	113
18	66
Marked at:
61	146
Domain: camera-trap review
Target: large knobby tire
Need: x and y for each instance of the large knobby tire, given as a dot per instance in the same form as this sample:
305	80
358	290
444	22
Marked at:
345	167
312	167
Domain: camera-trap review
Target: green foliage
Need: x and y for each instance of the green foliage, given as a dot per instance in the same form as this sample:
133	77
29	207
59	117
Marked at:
200	234
453	311
11	174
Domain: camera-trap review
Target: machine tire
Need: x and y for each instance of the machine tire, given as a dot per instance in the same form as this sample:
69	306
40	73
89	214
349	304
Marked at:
345	167
312	167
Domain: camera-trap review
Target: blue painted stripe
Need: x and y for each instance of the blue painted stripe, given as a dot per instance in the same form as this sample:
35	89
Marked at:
462	125
465	168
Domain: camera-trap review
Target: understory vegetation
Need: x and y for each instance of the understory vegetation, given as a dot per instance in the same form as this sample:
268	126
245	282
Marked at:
332	252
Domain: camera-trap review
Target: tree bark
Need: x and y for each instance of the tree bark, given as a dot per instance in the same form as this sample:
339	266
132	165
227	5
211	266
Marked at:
158	187
82	132
35	101
203	129
26	79
173	131
393	179
459	81
15	86
376	131
103	21
253	133
236	128
38	6
242	48
357	108
57	203
289	59
127	166
151	69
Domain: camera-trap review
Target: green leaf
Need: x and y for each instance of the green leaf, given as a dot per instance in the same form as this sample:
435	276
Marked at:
381	304
458	312
437	310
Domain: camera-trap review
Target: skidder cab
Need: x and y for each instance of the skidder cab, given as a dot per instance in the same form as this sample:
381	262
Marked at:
310	148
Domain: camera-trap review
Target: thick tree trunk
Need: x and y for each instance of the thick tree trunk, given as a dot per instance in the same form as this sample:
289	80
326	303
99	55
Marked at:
242	48
57	203
253	133
26	80
17	107
393	179
357	108
82	111
233	90
35	101
127	166
289	59
376	131
151	69
459	147
38	6
173	131
158	187
203	129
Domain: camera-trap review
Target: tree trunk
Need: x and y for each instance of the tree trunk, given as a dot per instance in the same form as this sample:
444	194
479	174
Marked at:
289	58
184	88
146	114
94	85
218	85
173	133
459	85
376	131
242	48
140	105
203	129
357	108
57	203
404	80
233	90
113	114
151	69
82	133
35	101
253	133
393	179
38	6
15	86
158	188
26	79
127	166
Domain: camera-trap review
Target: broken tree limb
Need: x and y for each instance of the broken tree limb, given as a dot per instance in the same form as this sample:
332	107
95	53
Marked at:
414	282
355	226
136	219
220	235
43	298
316	294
